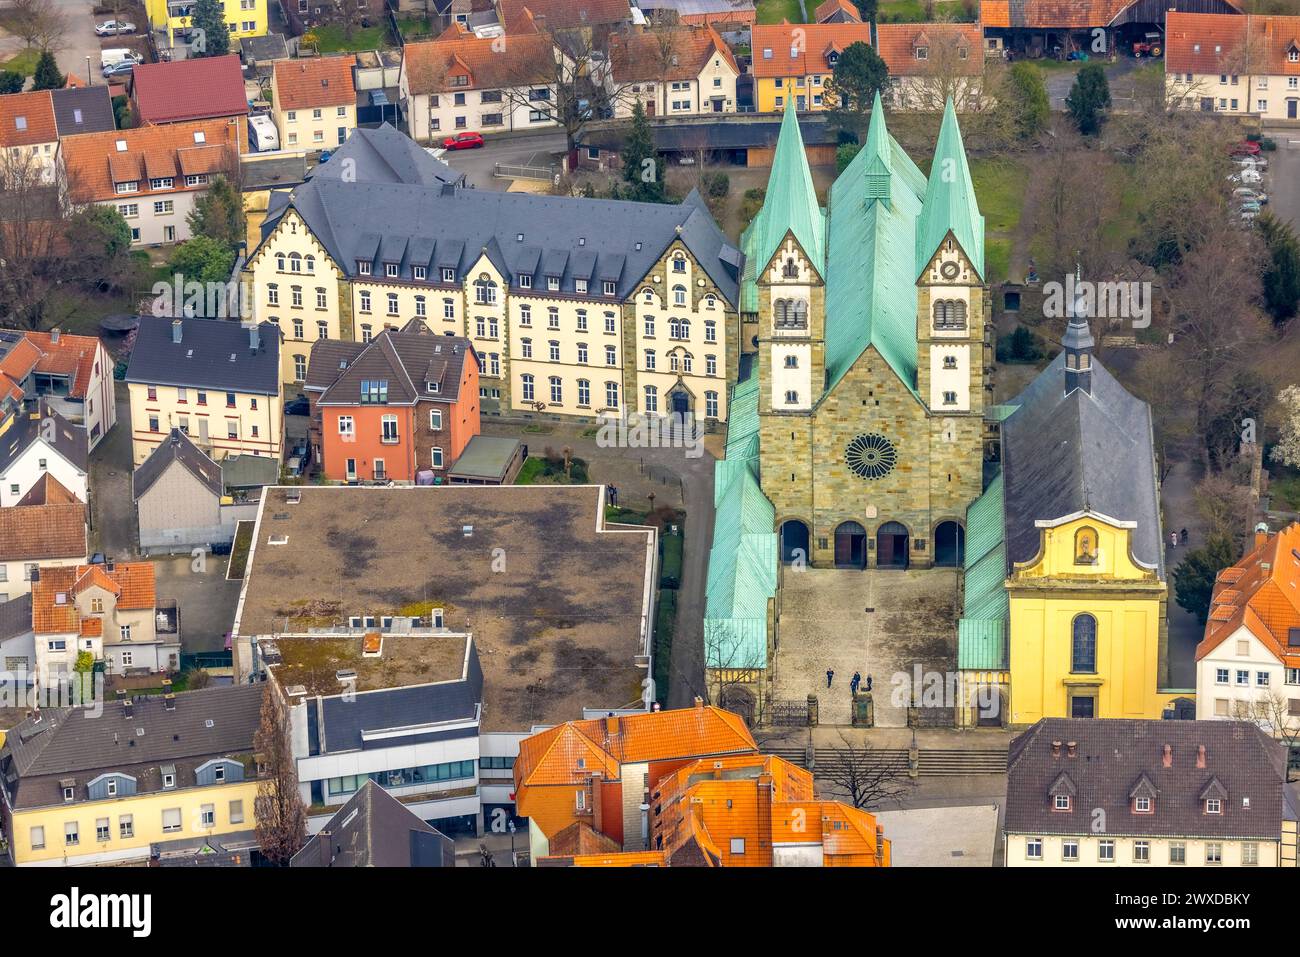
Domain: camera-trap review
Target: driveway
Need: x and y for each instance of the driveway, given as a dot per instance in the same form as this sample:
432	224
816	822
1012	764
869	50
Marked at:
205	599
79	40
112	511
513	149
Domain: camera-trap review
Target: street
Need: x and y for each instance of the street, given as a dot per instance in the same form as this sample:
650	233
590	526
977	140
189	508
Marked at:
1282	182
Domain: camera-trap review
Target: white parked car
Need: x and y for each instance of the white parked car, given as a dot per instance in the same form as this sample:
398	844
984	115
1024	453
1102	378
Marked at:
111	28
1247	162
1246	176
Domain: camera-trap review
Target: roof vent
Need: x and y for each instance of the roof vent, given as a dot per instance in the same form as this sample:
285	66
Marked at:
293	496
278	540
121	146
346	675
467	531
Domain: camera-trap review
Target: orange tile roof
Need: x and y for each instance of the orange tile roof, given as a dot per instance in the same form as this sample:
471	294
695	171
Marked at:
52	609
49	491
92	159
312	83
630	859
27	119
431	64
779	51
132	583
1227	43
34	532
581	838
995	13
680	54
831	7
1262	593
897	44
92	628
71	355
19	361
550	757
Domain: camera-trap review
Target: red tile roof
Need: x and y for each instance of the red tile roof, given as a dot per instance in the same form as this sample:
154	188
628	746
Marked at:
49	491
31	533
94	162
680	54
1225	43
779	51
431	64
73	356
312	83
27	119
1048	14
199	89
1261	592
831	7
897	44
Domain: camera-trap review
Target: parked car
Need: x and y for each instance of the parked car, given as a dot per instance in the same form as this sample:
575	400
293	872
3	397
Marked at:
118	69
1246	176
1244	148
1250	206
463	141
299	406
1248	216
111	28
1246	193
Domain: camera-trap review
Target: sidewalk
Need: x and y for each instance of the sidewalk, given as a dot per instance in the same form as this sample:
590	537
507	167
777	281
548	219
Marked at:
1178	502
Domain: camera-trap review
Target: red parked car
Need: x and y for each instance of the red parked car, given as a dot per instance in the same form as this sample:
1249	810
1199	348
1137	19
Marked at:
1244	148
463	141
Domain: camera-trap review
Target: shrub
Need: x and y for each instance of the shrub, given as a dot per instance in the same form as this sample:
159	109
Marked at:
717	184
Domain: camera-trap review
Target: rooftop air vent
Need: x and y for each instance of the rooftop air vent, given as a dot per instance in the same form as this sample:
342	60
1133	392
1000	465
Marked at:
346	675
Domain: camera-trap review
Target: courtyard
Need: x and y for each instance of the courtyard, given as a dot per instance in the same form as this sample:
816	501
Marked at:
881	623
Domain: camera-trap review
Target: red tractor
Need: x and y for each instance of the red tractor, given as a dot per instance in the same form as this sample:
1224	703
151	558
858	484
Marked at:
1151	45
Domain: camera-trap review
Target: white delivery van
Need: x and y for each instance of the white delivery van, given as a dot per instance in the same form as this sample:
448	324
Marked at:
115	55
262	134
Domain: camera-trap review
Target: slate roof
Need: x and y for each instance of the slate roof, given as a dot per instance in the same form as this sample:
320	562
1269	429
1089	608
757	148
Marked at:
375	829
1060	455
77	743
176	448
314	82
15	616
435	227
202	88
35	532
407	361
84	109
212	354
384	155
1114	754
69	440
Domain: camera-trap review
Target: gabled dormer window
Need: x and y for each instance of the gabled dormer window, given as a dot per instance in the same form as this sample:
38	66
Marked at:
129	186
1061	802
433	387
923	53
1142	805
1213	806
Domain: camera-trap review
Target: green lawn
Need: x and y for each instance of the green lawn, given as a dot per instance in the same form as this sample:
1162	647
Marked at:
913	11
670	569
415	26
330	38
1000	186
532	468
774	11
24	62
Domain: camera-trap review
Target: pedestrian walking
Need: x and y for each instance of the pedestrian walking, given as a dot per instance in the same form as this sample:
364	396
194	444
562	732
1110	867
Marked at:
830	676
869	681
855	682
1173	539
1182	537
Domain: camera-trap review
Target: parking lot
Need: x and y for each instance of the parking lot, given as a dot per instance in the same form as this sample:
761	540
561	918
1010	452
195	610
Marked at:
540	149
205	598
1282	181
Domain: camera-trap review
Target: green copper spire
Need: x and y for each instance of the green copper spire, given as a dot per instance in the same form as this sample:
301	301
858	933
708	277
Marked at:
950	201
879	165
791	201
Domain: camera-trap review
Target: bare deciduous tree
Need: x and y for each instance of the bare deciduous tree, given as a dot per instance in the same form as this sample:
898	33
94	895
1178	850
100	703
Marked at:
865	776
38	23
281	817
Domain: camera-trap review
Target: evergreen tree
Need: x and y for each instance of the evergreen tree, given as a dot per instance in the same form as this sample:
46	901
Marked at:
210	17
1194	577
219	214
643	171
1027	100
1089	99
47	75
1282	273
11	82
859	74
867	9
205	260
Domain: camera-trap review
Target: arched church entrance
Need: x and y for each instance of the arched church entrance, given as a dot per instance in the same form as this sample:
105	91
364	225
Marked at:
850	546
949	545
891	545
794	541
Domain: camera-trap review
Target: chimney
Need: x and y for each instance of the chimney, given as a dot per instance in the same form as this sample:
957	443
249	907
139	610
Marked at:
54	337
254	338
169	701
325	847
765	789
1200	756
1056	749
1168	759
699	703
611	725
880	845
597	808
176	330
1071	749
1261	534
128	708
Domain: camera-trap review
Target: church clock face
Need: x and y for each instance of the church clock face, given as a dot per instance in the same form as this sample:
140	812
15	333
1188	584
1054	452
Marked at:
949	270
871	456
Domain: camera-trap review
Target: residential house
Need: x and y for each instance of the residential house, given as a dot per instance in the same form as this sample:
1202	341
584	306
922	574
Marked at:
574	306
173	22
186	91
1248	663
724	15
83	109
396	407
177	365
180	498
673	72
599	772
304	15
375	829
46	528
422	691
29	137
931	62
152	175
73	374
596	20
1241	65
18	641
793	63
36	442
314	102
837	11
462	82
1066	591
1135	793
133	782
